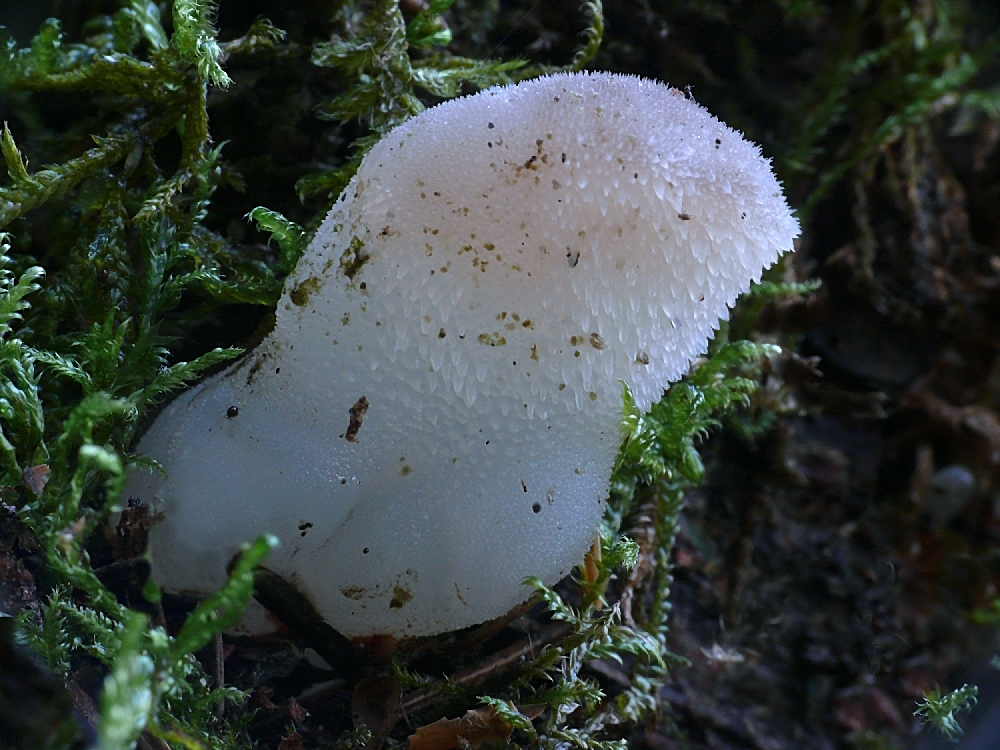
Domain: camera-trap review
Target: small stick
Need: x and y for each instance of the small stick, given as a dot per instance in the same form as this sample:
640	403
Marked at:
220	671
590	561
496	663
590	572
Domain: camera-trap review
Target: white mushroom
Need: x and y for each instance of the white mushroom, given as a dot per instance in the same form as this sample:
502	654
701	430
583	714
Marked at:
436	413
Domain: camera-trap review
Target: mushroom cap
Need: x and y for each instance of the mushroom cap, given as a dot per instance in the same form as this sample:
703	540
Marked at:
437	411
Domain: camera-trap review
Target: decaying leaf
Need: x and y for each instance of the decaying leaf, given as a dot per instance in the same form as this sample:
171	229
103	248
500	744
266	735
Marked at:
36	477
476	727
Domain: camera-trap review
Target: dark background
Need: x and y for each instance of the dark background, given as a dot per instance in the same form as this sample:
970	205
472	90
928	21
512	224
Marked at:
840	550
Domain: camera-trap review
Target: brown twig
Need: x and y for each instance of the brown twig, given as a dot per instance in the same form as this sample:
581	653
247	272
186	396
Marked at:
220	672
496	663
642	529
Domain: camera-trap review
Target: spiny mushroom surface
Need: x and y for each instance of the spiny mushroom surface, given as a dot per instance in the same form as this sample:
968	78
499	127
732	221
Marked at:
436	413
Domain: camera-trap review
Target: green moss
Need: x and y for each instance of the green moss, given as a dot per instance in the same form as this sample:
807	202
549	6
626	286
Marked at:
925	60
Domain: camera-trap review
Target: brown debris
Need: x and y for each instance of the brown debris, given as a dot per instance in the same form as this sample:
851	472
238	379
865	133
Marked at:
376	704
357	413
132	530
475	728
36	477
981	421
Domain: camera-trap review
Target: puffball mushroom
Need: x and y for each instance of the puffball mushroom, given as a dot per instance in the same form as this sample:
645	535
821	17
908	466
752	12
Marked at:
437	411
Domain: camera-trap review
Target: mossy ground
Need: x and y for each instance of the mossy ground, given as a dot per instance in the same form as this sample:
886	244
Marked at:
818	582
